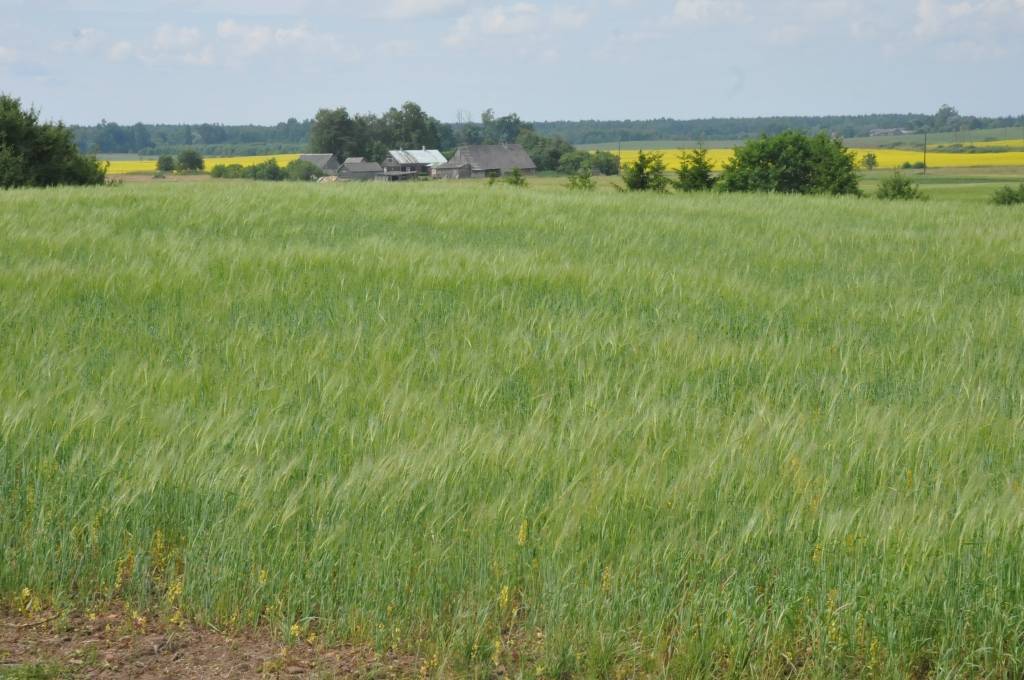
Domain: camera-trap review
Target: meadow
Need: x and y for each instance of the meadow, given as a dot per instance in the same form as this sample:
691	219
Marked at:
523	431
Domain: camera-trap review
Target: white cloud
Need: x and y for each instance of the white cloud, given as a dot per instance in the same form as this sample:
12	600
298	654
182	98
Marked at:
708	11
7	55
412	9
170	38
250	40
523	18
120	50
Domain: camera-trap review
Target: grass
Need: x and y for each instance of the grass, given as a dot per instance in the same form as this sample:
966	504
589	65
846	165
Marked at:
525	429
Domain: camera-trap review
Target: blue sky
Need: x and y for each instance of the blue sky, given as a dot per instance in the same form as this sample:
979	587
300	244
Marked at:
261	61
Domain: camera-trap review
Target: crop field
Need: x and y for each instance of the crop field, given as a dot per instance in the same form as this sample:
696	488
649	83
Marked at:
887	158
521	431
128	167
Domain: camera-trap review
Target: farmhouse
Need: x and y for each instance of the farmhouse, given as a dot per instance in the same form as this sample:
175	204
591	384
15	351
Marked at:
482	160
327	162
421	161
359	169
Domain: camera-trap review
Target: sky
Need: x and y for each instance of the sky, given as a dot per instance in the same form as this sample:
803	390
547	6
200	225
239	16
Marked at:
263	61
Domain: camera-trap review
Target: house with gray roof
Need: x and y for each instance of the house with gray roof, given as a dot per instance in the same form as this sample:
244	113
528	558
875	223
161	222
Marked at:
421	161
359	169
327	162
486	160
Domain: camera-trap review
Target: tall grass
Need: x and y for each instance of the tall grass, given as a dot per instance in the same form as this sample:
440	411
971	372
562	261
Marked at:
559	434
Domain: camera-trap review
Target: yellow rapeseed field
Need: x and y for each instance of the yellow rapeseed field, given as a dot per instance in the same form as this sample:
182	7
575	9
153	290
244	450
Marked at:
887	158
131	167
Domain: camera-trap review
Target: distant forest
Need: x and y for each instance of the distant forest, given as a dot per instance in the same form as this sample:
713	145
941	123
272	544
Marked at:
293	135
946	119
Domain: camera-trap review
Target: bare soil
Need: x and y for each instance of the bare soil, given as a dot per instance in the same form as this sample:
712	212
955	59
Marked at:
118	645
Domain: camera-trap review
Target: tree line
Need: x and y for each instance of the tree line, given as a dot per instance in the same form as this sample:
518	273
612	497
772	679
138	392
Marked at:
946	119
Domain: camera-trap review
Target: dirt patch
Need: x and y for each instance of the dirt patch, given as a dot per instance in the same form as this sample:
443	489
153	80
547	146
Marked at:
119	645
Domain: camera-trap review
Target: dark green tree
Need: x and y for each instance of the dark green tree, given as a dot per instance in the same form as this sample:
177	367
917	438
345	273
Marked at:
869	161
40	154
335	131
695	172
646	174
165	163
189	160
792	163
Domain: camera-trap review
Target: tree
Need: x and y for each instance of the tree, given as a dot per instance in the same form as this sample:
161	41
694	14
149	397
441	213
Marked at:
646	174
40	154
582	180
334	131
165	164
189	160
605	163
546	152
696	172
899	188
792	162
869	161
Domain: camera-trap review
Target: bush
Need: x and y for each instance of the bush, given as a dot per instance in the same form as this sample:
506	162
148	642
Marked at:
38	154
1009	195
869	161
268	171
515	178
918	165
302	171
646	174
792	163
189	161
899	188
582	180
696	172
600	162
165	164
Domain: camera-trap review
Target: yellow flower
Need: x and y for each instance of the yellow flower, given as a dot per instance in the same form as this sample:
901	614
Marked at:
503	597
263	577
524	529
496	657
295	630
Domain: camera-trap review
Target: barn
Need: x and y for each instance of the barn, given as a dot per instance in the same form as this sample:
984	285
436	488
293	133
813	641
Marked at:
359	169
486	160
421	161
327	162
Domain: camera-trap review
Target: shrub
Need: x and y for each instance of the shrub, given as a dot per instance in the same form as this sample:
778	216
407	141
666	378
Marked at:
189	160
582	180
165	164
917	165
515	178
302	171
646	174
869	161
792	163
40	154
899	188
1009	195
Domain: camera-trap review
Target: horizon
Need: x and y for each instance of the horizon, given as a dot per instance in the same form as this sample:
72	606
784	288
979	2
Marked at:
258	63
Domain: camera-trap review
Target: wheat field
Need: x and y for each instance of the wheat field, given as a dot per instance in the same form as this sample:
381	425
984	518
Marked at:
544	434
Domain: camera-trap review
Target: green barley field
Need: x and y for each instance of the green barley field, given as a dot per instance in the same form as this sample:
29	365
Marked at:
523	431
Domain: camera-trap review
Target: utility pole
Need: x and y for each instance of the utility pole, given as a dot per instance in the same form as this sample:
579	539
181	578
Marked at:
925	152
